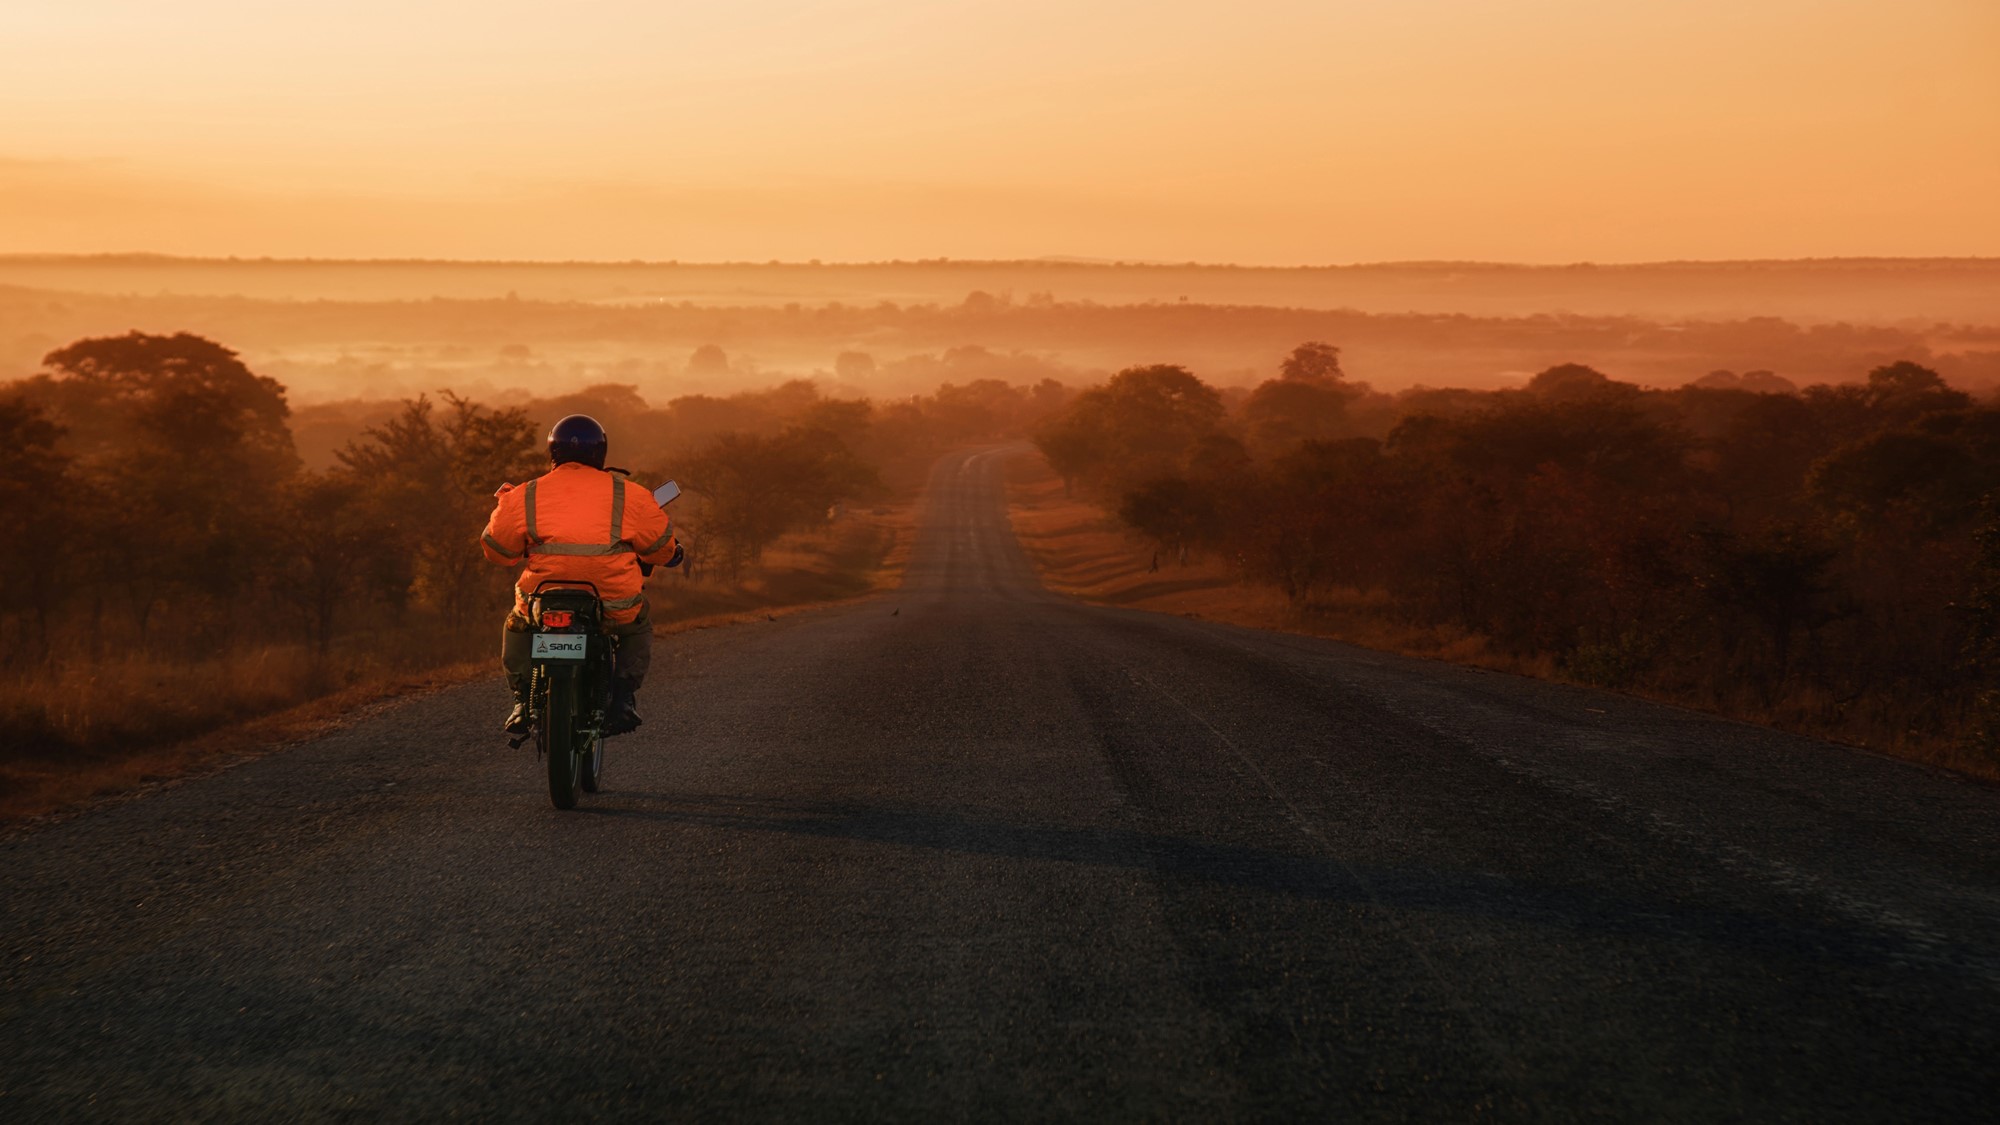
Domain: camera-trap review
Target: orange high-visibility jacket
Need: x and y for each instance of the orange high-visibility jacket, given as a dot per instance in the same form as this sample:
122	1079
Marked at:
579	524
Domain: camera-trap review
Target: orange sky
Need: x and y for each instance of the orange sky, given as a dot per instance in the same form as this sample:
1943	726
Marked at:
1265	131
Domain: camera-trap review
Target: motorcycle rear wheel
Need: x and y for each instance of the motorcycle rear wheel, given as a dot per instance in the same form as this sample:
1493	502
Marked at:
559	741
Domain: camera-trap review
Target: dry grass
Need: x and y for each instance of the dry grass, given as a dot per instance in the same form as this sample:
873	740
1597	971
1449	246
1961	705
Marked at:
861	554
1081	551
176	721
83	731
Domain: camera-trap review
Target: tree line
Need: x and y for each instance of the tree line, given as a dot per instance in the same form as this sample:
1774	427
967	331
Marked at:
1828	554
158	504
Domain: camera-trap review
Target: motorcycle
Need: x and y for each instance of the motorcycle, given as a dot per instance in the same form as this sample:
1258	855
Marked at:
570	686
569	694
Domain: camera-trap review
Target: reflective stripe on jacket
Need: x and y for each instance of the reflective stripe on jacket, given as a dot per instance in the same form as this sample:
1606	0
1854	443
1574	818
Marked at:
579	524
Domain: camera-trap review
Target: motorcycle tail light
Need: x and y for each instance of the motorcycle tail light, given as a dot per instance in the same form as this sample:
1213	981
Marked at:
557	618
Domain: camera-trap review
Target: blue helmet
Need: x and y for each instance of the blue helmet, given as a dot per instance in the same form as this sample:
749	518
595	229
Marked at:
578	438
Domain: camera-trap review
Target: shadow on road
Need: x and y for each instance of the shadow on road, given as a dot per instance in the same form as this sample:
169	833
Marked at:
1182	865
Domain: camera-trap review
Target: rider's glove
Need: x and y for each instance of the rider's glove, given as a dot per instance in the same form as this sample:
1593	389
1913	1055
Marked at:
680	553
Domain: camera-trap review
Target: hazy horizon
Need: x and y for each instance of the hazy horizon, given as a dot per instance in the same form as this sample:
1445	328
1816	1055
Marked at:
1869	289
338	330
1454	191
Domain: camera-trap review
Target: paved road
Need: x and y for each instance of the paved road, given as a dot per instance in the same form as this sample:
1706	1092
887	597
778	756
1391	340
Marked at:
973	851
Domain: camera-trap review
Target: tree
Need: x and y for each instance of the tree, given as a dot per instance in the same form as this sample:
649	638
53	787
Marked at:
1611	440
1777	578
854	367
1321	516
1982	642
1312	362
187	395
1140	425
35	492
1172	511
333	547
852	420
1904	391
1764	453
429	485
1070	446
191	452
1753	382
756	488
1307	402
708	360
1933	477
1574	382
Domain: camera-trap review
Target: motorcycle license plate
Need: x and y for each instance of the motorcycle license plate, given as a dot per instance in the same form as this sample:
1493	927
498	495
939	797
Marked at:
560	646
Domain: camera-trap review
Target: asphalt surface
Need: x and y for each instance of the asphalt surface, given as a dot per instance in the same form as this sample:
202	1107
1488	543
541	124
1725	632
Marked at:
972	851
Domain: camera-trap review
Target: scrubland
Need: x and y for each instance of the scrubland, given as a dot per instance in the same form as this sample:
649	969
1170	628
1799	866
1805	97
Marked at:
1081	550
1793	522
180	573
83	727
1823	558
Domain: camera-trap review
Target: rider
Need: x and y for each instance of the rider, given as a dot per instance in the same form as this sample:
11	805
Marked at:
581	523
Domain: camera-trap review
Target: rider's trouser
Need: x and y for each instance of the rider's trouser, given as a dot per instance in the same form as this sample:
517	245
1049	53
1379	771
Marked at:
632	648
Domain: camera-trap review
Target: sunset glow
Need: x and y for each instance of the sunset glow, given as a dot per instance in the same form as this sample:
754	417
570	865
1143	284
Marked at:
1272	132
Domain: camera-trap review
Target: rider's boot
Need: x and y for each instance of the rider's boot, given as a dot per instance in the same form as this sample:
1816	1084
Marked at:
624	715
517	719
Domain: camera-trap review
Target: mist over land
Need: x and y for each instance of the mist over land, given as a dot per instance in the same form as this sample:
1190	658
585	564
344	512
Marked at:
335	330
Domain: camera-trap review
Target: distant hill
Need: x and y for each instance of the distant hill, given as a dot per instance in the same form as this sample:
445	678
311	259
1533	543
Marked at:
1853	290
